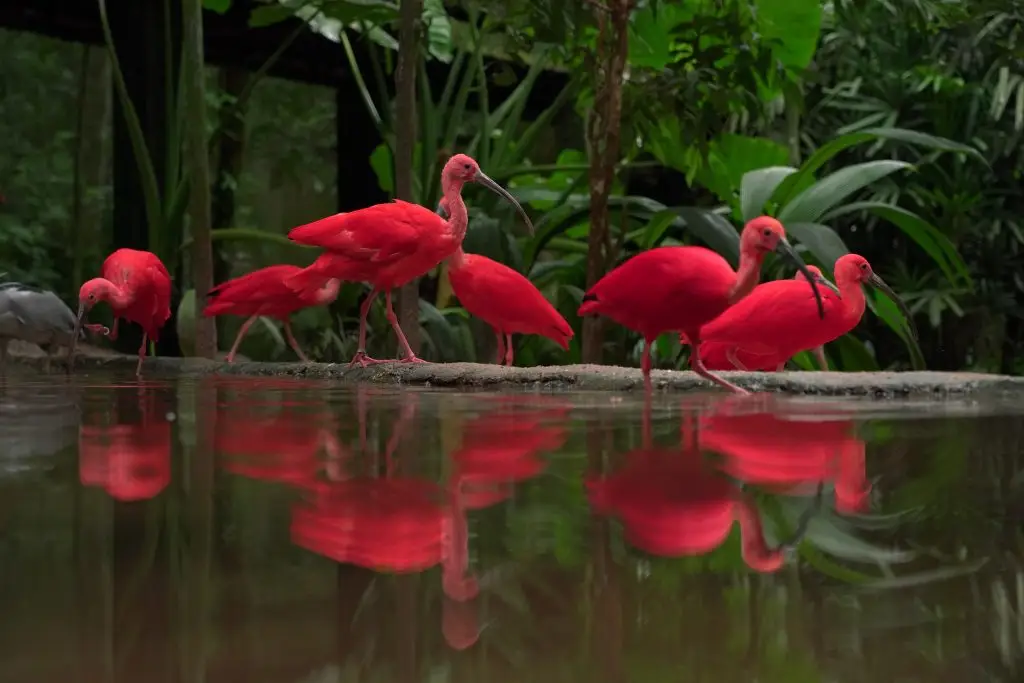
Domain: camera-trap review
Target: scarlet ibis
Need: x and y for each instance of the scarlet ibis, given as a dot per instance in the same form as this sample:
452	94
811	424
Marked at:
137	286
263	292
33	315
505	300
778	319
388	245
682	289
719	356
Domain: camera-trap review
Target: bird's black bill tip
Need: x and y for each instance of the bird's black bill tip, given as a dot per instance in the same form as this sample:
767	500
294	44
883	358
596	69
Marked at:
880	284
487	182
785	248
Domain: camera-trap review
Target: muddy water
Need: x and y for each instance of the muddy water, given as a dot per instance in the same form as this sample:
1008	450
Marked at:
240	529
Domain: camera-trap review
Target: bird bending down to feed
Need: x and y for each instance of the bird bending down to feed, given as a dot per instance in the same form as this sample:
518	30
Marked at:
721	356
137	286
34	315
778	319
682	289
388	245
263	292
505	300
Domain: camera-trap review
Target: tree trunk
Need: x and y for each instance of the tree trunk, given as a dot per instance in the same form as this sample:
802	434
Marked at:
405	142
603	132
198	165
92	161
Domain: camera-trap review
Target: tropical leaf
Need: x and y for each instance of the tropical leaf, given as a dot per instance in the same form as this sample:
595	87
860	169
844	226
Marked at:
757	187
811	204
822	241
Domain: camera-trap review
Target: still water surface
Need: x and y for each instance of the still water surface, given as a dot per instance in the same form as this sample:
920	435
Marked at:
279	530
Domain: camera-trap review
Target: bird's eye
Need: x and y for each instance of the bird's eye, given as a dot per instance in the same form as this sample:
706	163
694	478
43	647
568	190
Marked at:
767	232
468	167
92	297
863	266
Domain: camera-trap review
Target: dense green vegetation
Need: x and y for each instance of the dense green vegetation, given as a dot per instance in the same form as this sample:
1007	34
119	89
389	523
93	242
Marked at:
888	129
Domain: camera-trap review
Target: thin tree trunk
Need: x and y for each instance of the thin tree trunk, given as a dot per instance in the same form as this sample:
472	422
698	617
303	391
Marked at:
405	142
603	140
92	159
198	159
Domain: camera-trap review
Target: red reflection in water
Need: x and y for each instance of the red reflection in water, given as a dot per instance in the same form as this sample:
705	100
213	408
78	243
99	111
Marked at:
396	524
282	447
673	504
503	448
129	461
787	455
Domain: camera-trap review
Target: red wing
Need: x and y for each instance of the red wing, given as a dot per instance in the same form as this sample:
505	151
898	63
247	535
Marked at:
773	312
514	298
380	233
259	285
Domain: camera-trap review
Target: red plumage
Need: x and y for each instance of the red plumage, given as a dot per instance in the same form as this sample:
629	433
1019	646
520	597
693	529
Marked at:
505	300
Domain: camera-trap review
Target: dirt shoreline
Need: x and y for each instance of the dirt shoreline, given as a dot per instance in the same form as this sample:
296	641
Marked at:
579	377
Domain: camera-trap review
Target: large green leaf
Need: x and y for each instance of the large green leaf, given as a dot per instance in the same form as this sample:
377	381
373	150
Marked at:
714	230
822	241
811	204
795	26
826	152
927	236
886	310
732	156
218	6
757	187
652	32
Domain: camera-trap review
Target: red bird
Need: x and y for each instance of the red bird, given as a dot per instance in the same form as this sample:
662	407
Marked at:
263	292
388	245
505	300
130	461
137	286
682	289
779	320
719	356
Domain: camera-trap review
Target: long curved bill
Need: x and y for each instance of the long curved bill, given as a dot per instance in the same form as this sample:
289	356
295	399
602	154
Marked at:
74	338
494	187
785	248
879	284
825	282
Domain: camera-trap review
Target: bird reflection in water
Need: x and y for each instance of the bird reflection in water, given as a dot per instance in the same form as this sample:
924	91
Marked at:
395	524
502	447
281	446
673	503
131	459
787	452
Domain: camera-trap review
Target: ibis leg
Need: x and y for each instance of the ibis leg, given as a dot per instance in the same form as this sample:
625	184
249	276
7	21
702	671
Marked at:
293	343
238	338
697	365
142	352
407	355
509	350
645	362
112	333
819	354
499	339
781	367
364	311
731	355
3	357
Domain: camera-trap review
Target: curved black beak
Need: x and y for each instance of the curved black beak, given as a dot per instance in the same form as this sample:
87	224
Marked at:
827	283
784	247
74	337
494	187
879	284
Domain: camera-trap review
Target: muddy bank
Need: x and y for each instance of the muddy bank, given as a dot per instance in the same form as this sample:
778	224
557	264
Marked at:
582	377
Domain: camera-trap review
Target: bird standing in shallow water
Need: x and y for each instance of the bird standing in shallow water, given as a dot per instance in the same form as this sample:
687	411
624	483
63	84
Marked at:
36	316
682	289
264	292
721	356
137	286
778	318
505	300
388	245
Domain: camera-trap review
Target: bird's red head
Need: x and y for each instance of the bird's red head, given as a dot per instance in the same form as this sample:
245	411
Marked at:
853	268
461	167
93	292
762	235
813	270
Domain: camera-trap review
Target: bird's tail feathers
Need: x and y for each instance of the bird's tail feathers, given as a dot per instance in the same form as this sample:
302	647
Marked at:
307	280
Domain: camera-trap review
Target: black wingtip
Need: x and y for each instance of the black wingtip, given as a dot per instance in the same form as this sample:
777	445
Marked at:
589	297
